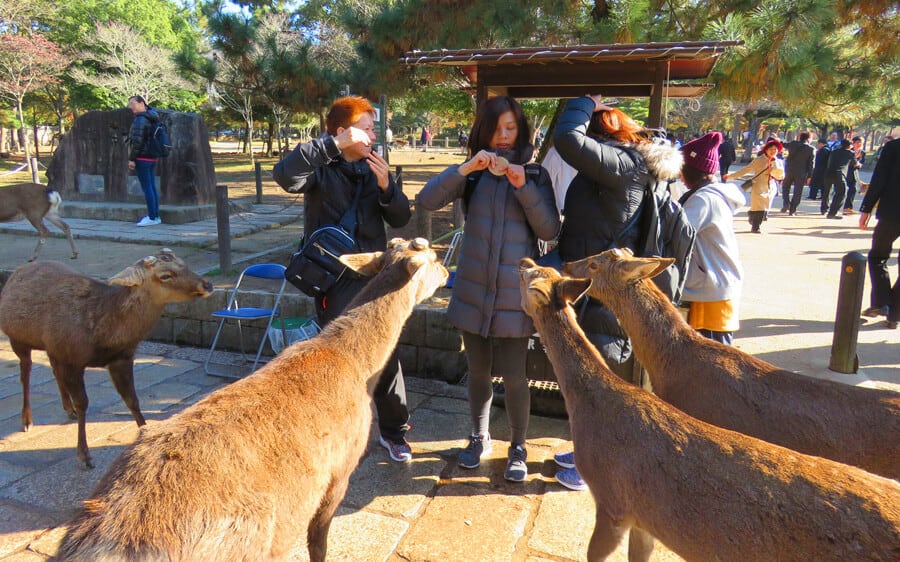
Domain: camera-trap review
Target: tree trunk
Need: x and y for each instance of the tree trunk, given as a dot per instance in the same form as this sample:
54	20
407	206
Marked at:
269	140
23	140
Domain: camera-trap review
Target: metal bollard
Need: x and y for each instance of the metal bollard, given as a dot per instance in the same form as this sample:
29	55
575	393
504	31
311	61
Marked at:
258	170
846	323
223	227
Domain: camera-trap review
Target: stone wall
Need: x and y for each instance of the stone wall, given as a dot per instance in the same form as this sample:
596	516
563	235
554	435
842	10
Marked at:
92	160
429	346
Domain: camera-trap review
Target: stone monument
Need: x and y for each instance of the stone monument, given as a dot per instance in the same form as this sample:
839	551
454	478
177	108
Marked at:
91	162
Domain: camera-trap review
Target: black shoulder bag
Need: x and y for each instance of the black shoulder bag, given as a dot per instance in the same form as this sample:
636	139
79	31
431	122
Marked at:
315	267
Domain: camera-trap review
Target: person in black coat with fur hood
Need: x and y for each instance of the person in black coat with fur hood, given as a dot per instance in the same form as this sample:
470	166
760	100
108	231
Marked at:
616	159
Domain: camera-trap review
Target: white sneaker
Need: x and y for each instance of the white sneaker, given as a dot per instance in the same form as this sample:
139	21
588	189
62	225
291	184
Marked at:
147	221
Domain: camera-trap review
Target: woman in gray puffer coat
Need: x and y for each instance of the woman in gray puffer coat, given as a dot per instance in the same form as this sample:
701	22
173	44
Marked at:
510	205
616	159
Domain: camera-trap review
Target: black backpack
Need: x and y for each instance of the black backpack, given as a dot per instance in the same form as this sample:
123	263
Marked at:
666	232
156	143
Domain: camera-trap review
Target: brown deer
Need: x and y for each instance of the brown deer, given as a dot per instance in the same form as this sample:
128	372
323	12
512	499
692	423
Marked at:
724	386
82	322
705	492
248	470
36	202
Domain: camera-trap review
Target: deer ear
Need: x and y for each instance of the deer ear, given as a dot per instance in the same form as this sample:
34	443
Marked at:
569	289
367	264
645	268
131	276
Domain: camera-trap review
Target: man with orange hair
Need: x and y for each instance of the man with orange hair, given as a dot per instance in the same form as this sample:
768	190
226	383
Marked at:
333	172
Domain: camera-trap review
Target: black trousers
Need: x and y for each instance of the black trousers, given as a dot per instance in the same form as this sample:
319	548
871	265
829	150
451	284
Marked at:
886	233
851	191
390	392
788	201
756	219
838	182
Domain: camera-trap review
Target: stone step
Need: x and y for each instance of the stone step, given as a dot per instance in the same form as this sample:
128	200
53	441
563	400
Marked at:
132	212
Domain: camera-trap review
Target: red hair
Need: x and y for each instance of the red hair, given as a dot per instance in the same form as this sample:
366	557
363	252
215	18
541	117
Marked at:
347	111
615	124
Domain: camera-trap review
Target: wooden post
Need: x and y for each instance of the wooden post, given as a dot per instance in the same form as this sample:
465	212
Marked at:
34	170
423	221
655	117
258	170
223	227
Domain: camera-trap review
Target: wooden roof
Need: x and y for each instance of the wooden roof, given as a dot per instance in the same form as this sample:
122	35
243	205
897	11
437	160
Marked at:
615	70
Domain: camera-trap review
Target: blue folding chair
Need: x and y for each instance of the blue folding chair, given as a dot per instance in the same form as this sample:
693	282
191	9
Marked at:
239	314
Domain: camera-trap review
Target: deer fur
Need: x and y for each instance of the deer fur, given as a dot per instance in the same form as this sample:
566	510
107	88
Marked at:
82	322
724	386
36	202
705	492
248	470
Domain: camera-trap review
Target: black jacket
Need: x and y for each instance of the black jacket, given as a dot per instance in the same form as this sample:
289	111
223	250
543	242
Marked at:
799	161
818	176
884	189
139	133
328	183
839	162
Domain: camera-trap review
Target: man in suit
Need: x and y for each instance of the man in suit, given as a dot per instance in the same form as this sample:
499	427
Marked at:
817	183
727	155
836	179
884	191
798	171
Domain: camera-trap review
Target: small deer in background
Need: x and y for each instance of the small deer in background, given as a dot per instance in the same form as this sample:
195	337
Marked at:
254	466
36	202
724	386
707	493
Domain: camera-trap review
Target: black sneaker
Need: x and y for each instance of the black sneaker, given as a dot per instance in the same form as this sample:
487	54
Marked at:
479	446
516	469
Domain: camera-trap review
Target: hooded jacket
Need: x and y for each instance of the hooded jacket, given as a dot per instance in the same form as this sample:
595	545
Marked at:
328	183
600	202
609	187
502	227
139	133
715	271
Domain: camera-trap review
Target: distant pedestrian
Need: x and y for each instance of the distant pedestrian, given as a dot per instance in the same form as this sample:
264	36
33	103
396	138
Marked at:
883	192
139	161
727	155
425	138
764	171
853	183
836	179
817	183
798	172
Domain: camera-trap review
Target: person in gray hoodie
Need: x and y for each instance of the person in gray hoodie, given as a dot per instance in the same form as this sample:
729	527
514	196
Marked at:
714	279
509	206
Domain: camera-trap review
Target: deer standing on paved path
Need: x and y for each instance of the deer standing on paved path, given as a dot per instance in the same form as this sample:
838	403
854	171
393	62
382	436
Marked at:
36	202
707	493
724	386
248	470
82	322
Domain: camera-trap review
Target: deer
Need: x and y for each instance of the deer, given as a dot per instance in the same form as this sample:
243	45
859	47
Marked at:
727	387
705	492
83	322
36	202
243	473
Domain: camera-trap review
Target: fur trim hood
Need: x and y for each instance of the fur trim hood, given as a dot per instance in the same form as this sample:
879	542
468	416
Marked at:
663	160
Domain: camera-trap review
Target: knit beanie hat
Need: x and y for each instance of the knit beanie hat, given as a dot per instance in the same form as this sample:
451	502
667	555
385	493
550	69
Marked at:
703	153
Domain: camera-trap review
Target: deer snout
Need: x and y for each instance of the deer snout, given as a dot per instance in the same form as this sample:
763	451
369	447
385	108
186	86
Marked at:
206	288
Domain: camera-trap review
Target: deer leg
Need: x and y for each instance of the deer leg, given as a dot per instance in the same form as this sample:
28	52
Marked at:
24	354
606	537
61	224
42	234
640	545
317	534
58	374
121	371
73	379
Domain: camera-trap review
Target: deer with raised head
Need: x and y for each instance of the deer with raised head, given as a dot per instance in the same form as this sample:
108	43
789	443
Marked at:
705	492
254	466
35	202
82	322
727	387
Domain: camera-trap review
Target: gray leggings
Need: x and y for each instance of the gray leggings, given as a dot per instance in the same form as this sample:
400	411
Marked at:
503	357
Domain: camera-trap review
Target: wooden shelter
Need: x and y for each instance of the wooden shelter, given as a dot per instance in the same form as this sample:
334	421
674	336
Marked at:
624	70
